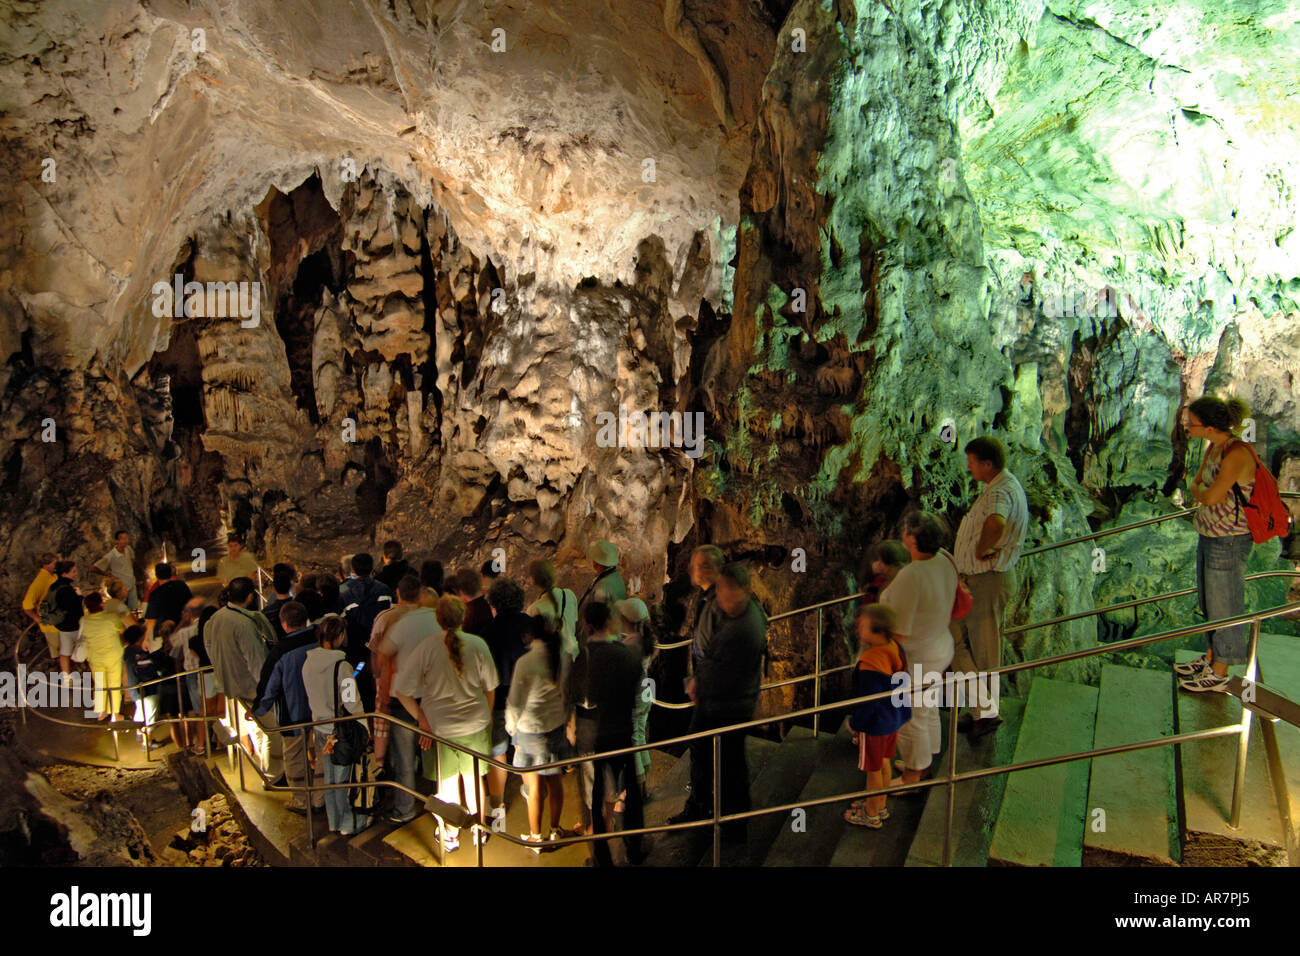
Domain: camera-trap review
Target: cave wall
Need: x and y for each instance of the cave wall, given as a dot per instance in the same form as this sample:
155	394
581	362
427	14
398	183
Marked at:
857	224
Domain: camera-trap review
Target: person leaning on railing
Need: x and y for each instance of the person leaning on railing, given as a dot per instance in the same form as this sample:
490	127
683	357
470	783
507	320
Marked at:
1223	540
237	639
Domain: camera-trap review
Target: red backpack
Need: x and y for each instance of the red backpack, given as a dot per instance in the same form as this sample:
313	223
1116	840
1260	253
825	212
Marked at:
1266	514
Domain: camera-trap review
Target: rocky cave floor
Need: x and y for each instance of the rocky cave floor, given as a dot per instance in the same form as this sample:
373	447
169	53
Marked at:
155	801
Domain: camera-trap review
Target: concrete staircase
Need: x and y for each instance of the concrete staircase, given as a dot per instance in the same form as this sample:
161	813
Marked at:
1149	807
1207	768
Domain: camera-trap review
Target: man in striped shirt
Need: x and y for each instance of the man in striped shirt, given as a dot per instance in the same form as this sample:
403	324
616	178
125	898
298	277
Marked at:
989	542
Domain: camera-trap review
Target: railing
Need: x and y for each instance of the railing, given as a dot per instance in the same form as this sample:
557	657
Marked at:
953	778
447	811
1182	513
718	819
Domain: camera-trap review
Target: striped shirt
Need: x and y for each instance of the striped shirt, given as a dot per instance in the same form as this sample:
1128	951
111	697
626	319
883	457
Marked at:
1001	496
1227	517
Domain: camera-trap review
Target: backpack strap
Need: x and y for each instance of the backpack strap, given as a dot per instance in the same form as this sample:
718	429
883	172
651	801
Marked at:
337	664
1239	496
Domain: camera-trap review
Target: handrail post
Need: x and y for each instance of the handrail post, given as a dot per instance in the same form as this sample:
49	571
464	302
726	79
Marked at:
239	750
203	714
817	669
1243	741
479	794
180	710
951	786
717	798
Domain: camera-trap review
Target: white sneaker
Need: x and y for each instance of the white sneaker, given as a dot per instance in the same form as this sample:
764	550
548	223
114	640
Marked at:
1193	667
1208	681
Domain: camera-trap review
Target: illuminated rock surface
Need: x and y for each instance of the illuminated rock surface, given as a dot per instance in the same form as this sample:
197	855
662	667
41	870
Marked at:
815	238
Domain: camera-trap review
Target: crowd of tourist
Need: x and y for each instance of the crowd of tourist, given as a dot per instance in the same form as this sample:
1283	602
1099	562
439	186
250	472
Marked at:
533	674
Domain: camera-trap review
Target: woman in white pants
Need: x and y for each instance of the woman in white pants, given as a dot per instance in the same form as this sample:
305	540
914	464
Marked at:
922	596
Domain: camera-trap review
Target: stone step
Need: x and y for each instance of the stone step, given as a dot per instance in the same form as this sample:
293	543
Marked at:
1279	671
687	849
1135	790
368	848
836	771
1207	770
1041	821
975	803
779	780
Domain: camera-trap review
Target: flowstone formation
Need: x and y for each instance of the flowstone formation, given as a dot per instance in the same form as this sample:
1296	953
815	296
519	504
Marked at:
851	235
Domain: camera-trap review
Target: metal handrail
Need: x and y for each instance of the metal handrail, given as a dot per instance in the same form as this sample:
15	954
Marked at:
1128	527
950	781
1138	602
953	778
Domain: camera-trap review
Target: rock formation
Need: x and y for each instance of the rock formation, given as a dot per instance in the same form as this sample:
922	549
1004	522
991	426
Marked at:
853	235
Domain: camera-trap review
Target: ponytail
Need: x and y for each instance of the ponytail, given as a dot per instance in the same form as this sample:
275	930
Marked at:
1225	416
551	637
451	615
452	639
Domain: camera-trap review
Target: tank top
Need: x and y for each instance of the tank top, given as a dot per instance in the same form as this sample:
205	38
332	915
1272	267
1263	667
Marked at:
1227	517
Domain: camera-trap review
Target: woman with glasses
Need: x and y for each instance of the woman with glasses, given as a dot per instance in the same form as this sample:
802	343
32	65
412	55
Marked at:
1224	481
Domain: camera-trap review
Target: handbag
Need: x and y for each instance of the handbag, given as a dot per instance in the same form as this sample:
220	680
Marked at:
962	601
350	736
79	648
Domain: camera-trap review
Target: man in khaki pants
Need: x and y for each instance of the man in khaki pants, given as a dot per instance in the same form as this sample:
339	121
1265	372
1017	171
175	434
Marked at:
989	542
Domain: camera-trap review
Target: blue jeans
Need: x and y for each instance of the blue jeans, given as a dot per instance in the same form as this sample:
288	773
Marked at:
338	810
1221	581
403	747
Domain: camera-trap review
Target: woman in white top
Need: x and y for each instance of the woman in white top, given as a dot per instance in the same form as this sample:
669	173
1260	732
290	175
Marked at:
535	720
922	596
326	682
456	680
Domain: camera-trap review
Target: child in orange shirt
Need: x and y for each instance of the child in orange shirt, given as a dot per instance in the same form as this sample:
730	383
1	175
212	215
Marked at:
875	723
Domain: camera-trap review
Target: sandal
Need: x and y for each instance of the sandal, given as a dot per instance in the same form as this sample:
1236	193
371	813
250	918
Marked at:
860	818
450	841
862	805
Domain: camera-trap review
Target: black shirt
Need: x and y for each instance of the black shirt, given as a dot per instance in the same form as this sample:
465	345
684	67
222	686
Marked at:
607	676
505	639
731	669
168	600
140	667
390	574
68	602
272	613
